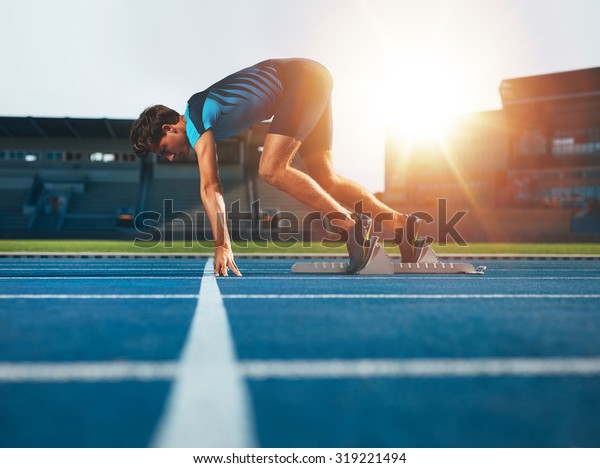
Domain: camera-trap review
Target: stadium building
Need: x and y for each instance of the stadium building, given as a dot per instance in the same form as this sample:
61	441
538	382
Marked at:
527	172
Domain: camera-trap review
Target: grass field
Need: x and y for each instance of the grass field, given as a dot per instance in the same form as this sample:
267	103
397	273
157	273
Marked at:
271	248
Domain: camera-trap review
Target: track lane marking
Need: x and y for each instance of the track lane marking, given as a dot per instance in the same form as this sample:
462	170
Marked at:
97	296
411	296
424	368
309	277
100	267
208	405
62	372
297	296
106	277
415	277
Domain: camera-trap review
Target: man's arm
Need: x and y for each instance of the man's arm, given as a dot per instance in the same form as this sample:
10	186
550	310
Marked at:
211	192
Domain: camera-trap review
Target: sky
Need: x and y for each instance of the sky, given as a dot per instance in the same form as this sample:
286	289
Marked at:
113	58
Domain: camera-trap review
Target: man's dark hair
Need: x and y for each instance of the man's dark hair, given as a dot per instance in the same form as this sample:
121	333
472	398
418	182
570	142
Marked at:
147	130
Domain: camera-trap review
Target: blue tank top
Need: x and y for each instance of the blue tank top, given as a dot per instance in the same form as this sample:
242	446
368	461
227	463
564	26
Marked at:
234	103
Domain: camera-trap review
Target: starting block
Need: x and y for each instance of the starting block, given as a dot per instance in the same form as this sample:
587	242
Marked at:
427	263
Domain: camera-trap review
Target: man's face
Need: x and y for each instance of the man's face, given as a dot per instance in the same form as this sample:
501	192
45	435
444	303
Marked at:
174	144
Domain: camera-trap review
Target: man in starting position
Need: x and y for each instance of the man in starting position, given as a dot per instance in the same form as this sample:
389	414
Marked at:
297	94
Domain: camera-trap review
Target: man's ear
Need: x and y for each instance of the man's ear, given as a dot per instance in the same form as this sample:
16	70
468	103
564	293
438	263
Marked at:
166	128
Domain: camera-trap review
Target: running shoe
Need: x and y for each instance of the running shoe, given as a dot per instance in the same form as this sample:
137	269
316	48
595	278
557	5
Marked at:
411	245
360	247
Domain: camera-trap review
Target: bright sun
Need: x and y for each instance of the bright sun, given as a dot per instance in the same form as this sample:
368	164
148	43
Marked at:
420	97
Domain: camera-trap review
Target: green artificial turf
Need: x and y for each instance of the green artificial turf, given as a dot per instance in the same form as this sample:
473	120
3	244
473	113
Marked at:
273	248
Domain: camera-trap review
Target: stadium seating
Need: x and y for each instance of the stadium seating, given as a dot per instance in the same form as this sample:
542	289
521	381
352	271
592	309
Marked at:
11	208
184	193
273	200
185	196
97	207
104	197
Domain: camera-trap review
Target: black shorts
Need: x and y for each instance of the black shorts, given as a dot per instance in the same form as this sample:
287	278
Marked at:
304	110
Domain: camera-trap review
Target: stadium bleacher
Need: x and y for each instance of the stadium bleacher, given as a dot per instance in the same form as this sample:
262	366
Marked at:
12	201
272	199
184	193
85	201
173	197
77	177
104	197
98	206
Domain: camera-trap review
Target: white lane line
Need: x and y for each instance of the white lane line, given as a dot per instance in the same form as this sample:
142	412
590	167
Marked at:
303	278
79	277
209	403
298	296
97	296
424	368
411	296
135	268
576	270
59	372
95	266
411	277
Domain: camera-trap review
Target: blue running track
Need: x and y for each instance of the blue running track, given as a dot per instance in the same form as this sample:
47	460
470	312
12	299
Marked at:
90	350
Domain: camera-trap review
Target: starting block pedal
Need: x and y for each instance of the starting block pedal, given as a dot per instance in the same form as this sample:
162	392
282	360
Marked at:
380	264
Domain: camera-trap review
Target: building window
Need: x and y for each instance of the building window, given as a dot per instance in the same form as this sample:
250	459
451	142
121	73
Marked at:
54	156
532	143
579	142
591	175
102	157
571	197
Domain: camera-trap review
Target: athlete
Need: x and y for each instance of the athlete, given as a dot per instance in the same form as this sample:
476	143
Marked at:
296	93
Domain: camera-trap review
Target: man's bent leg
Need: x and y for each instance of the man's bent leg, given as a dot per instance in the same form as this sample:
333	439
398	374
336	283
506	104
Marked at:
275	169
320	167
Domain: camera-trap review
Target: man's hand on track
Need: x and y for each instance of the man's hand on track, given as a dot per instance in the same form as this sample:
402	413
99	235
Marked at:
224	261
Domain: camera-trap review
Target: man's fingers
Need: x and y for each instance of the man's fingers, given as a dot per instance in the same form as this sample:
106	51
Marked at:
220	269
222	265
234	268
